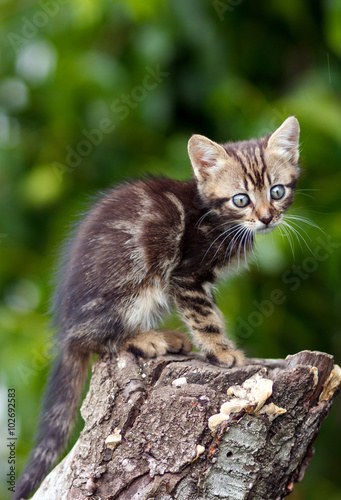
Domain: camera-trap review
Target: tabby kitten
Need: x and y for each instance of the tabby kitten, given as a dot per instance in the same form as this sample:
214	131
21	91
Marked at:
152	244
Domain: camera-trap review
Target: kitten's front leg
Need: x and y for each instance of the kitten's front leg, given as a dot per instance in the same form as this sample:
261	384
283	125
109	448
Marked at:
207	327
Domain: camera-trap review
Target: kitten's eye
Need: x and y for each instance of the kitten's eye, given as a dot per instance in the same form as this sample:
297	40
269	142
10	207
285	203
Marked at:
277	192
241	200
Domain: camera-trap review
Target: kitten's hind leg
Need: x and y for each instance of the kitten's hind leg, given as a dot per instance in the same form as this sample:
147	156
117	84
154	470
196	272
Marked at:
158	342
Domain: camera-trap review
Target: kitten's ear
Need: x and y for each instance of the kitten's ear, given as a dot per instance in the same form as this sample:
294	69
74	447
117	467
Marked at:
285	139
205	156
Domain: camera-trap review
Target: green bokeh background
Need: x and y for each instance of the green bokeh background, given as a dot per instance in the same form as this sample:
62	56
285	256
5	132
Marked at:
149	74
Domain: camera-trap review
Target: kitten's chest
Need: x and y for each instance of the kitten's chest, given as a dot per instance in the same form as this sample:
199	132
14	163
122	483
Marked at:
147	305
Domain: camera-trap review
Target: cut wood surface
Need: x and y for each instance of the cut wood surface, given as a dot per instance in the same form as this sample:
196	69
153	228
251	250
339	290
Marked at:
176	427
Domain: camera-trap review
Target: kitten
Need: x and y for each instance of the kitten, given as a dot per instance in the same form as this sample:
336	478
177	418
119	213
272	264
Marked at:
152	244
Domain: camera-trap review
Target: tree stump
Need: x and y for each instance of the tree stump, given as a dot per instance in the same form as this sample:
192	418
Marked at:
157	429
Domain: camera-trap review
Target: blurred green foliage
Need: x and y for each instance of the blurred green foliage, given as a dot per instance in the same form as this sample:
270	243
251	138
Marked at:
96	91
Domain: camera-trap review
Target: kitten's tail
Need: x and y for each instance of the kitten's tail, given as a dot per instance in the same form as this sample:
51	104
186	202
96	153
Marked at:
60	406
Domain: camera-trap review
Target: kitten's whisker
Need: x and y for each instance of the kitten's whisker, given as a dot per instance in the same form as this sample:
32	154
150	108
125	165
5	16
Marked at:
305	220
304	189
197	225
297	234
234	228
285	232
238	249
252	245
305	232
247	235
231	244
242	245
240	235
236	221
300	192
233	240
294	232
227	234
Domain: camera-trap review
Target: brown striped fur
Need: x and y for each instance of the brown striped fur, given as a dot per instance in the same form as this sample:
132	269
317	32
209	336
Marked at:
150	245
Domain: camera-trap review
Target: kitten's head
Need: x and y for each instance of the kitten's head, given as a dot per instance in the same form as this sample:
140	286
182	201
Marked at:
252	182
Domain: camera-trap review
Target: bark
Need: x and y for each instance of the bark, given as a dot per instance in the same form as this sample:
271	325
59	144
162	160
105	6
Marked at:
158	412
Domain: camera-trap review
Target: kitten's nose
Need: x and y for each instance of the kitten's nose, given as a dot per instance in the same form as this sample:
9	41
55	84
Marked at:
266	219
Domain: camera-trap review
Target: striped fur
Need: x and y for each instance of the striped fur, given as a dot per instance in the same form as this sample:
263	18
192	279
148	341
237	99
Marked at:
148	246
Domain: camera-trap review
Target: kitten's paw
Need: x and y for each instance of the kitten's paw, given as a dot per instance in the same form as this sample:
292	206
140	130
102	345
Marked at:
177	341
158	343
148	345
227	357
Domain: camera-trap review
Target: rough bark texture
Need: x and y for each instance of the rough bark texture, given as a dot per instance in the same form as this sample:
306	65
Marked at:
162	420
